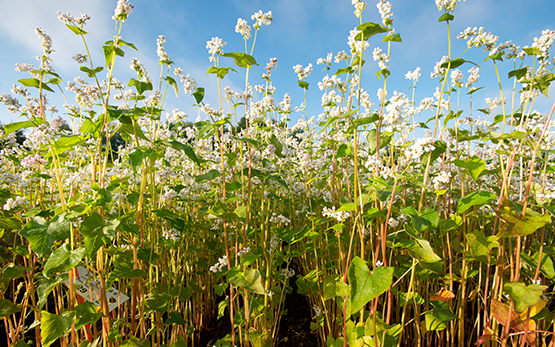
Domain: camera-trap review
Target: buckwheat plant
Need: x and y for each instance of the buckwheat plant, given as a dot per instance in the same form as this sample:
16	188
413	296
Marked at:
122	223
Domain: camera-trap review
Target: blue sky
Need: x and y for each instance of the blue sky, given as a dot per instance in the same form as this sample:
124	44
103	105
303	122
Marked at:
302	32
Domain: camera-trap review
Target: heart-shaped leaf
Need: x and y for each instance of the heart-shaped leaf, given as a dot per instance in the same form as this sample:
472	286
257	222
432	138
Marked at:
366	285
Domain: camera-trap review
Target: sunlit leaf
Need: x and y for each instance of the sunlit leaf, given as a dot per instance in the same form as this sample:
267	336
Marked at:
518	225
524	296
63	259
366	285
503	315
473	199
53	327
42	234
474	166
370	29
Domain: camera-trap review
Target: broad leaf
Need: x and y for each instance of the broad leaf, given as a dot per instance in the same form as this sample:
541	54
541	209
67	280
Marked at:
366	285
370	29
53	327
473	199
42	234
474	166
250	279
7	308
63	259
241	59
479	246
519	225
97	232
86	313
524	296
503	315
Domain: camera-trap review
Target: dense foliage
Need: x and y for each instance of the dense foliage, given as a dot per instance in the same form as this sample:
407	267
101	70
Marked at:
399	232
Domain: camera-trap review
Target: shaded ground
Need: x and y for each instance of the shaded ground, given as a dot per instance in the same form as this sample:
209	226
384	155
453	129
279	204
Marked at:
294	327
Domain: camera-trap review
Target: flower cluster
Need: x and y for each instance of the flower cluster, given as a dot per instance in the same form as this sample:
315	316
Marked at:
339	216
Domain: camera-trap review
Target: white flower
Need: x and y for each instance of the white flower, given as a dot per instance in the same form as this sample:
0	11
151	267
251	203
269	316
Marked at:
123	10
243	28
337	215
262	18
473	78
162	55
359	7
384	7
448	5
414	75
302	73
215	46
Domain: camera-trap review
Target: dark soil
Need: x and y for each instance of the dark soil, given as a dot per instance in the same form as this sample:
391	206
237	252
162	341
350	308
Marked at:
294	329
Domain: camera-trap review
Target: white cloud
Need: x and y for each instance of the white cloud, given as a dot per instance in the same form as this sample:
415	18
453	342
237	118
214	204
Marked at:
18	20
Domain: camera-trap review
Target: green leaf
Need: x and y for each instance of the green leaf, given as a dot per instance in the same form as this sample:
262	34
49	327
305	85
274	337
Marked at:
348	69
220	71
446	17
366	285
473	199
455	63
63	259
188	150
303	84
47	285
546	266
52	326
7	308
135	342
543	82
241	59
427	258
532	51
128	44
437	318
158	302
76	29
370	29
393	38
372	138
13	127
86	313
524	296
199	95
329	286
141	86
250	279
439	148
33	82
421	221
474	166
210	175
342	151
68	142
110	52
124	269
42	234
181	342
519	225
97	232
16	271
172	83
497	56
479	246
175	318
519	73
89	72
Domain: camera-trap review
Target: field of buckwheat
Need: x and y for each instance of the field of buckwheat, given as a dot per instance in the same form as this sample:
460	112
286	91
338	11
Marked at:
121	228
